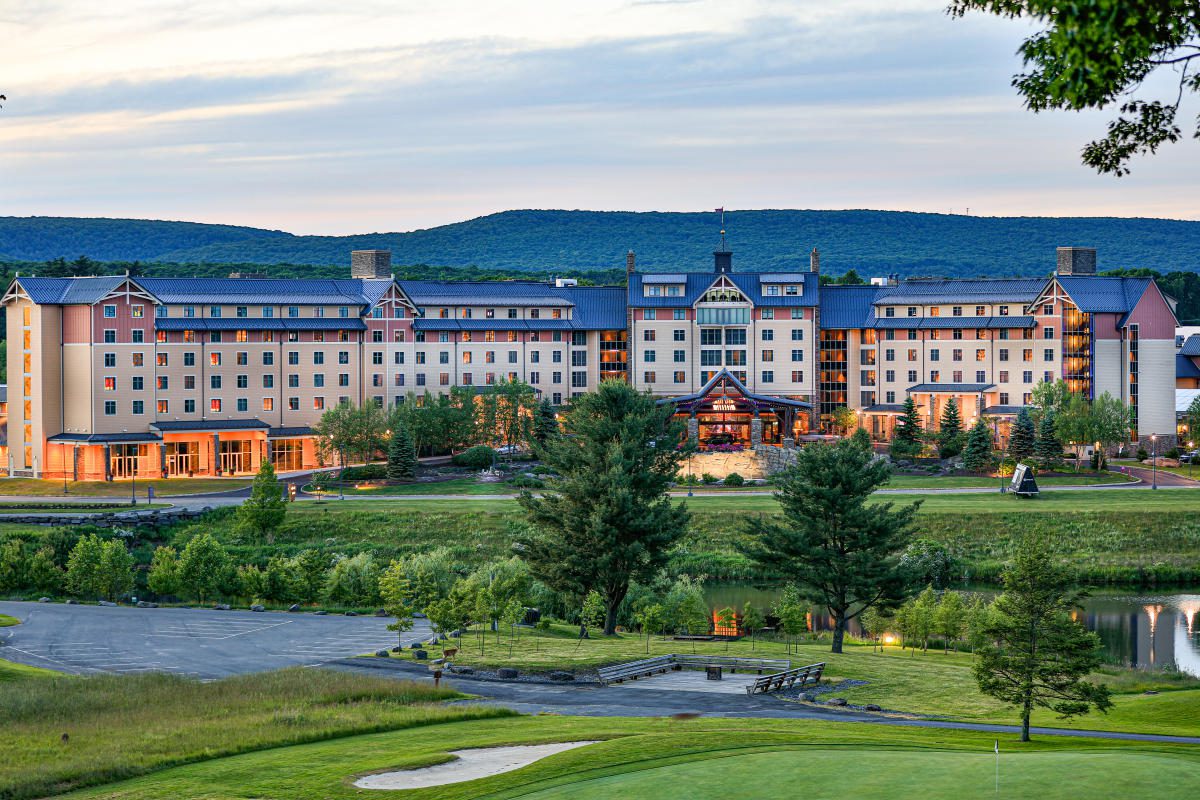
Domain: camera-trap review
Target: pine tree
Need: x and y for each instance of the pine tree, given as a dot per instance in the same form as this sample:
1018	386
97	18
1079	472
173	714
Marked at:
1047	448
545	423
977	456
402	456
1021	440
265	509
950	433
906	437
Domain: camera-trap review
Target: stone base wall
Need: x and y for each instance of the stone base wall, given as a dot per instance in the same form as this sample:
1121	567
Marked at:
775	459
154	517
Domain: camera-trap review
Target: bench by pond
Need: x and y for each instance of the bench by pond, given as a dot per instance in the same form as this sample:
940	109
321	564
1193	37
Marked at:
647	667
803	676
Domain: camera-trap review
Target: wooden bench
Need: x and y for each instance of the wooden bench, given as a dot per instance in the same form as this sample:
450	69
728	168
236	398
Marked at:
652	666
802	676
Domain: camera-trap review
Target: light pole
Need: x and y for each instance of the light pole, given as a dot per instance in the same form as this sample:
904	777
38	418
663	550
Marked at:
1154	461
1191	458
133	473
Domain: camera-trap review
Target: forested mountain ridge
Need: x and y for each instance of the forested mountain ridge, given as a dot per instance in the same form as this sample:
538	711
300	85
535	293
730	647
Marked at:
870	242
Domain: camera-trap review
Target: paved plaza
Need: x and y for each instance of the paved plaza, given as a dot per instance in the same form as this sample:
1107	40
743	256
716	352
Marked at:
189	641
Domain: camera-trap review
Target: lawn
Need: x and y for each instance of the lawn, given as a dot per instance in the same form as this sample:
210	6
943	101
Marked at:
1086	478
121	726
463	486
6	621
703	758
32	487
11	671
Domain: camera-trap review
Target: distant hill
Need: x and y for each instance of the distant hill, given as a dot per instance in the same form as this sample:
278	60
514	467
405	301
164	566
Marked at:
871	242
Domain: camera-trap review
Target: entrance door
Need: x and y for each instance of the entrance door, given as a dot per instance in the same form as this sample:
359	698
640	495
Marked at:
235	456
183	458
125	460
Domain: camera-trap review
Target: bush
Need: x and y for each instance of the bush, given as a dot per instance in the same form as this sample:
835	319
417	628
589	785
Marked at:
708	479
901	449
367	472
1172	453
478	457
525	482
542	469
1142	455
733	479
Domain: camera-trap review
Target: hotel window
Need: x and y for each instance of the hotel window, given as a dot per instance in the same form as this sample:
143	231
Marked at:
957	376
1004	311
189	382
981	311
268	404
1004	354
679	356
912	336
888	355
318	336
110	337
243	404
377	336
138	383
343	379
980	376
318	403
293	357
768	376
344	312
318	357
214	311
981	354
161	359
268	381
1047	377
110	408
797	334
318	312
512	356
1047	333
889	397
189	311
243	381
679	335
935	355
268	358
791	290
444	378
936	333
935	311
912	376
110	384
957	333
110	360
912	355
1027	398
935	376
768	355
293	404
110	312
889	375
956	355
649	356
649	314
240	336
215	337
189	406
1048	354
797	313
160	311
399	337
768	335
293	311
1027	376
420	358
214	405
797	355
26	315
556	313
268	312
1048	309
467	379
160	337
214	359
679	376
798	376
214	381
318	380
772	291
648	336
512	313
1004	334
912	311
164	407
1027	355
956	311
293	336
241	311
889	311
444	357
241	358
1003	376
679	313
768	313
648	377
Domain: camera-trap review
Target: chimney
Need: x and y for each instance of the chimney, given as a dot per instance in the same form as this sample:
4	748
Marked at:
630	263
371	264
722	261
1076	261
814	261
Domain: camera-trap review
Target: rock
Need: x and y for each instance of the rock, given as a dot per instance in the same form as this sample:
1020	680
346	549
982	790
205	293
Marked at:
398	649
420	655
43	599
72	602
222	607
871	707
837	701
506	673
257	607
294	607
560	675
415	646
351	613
320	613
383	654
145	604
438	661
455	634
462	670
107	604
808	697
382	612
1150	692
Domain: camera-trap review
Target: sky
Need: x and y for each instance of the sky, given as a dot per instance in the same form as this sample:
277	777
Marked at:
390	115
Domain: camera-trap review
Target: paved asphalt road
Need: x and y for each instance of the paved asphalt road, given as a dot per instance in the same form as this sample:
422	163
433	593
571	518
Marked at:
190	641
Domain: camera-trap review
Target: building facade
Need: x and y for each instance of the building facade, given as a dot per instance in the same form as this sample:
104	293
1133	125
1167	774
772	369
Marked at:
112	377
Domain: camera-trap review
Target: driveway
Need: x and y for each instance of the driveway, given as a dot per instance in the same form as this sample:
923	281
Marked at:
189	641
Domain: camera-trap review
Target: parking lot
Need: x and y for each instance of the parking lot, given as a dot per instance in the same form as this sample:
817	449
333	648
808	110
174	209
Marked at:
198	642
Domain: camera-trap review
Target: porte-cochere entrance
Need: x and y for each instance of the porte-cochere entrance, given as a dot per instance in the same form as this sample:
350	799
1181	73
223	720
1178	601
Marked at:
724	414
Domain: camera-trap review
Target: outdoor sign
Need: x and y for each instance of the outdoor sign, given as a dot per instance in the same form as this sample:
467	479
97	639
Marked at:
1023	483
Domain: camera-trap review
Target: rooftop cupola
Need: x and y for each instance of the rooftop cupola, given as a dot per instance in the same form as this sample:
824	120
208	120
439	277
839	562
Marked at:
723	258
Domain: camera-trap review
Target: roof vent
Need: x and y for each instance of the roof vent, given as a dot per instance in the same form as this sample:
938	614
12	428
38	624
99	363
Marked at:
1076	261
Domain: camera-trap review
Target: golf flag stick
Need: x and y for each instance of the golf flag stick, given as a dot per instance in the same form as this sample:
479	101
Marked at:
997	766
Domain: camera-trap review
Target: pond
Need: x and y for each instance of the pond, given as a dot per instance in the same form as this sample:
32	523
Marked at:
1145	630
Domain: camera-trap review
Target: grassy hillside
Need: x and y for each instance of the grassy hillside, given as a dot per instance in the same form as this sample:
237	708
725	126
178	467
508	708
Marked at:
872	242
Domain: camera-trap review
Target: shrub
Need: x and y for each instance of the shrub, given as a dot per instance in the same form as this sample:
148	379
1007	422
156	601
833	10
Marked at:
478	457
1142	455
367	472
526	482
708	479
733	479
542	469
1172	453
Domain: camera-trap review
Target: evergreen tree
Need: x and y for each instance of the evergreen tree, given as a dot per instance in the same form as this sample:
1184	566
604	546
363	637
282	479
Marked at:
862	439
1047	448
906	437
837	549
402	456
265	509
1021	439
609	520
950	433
545	423
977	455
1032	652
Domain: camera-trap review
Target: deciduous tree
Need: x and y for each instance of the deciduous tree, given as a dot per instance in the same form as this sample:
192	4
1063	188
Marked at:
203	568
164	571
837	549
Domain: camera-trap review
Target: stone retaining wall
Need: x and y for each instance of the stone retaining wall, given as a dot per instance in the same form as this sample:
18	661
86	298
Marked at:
775	459
155	517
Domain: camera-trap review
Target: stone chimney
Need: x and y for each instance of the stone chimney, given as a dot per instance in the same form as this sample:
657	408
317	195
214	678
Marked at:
371	264
630	263
1076	261
814	261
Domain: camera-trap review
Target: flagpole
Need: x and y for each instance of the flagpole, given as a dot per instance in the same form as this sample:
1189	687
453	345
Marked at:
997	767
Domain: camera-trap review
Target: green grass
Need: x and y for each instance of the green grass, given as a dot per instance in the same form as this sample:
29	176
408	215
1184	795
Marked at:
463	486
12	671
7	622
122	726
718	758
930	684
38	509
33	487
1086	478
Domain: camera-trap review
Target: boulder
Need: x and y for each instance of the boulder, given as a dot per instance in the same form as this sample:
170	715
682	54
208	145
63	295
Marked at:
107	604
320	613
871	707
146	604
222	607
462	670
294	607
560	675
381	612
383	654
507	673
808	697
351	614
415	646
43	599
455	634
420	655
72	601
398	649
837	701
257	607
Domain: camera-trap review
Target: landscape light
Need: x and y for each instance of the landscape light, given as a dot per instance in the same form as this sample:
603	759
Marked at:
888	638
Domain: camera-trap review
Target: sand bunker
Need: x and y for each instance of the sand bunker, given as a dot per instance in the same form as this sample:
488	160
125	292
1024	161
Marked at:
470	765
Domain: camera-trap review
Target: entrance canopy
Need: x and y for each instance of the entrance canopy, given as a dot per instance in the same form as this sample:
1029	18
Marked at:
724	393
725	414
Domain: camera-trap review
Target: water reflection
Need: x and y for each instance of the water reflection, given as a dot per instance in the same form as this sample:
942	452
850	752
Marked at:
1147	631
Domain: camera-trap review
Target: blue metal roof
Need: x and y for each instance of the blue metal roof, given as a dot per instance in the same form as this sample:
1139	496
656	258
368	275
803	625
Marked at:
265	291
1095	294
1192	346
848	306
259	324
103	438
1185	367
958	388
963	290
500	293
68	290
944	323
209	425
750	283
596	308
295	430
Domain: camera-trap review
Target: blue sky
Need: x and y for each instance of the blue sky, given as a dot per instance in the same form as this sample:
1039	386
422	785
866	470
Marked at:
382	115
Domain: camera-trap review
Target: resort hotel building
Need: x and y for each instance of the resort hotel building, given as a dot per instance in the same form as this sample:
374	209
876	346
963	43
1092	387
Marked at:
111	377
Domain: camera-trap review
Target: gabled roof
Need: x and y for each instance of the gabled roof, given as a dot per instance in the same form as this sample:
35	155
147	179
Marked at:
1192	346
846	307
1096	294
725	374
69	290
750	283
1185	367
962	290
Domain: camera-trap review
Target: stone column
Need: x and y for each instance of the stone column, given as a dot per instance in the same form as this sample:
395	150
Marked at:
693	429
75	463
108	462
216	454
789	443
756	430
162	458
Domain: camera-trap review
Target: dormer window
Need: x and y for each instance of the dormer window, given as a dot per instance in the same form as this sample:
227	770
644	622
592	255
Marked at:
889	311
674	291
791	290
772	291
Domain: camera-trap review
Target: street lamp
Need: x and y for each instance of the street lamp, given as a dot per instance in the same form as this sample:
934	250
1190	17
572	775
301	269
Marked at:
1154	461
1191	457
133	485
